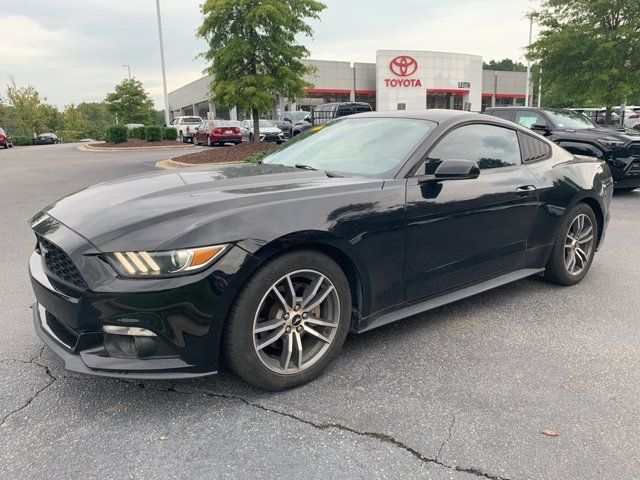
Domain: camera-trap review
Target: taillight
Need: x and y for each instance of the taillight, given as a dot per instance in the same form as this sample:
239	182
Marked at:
236	130
634	115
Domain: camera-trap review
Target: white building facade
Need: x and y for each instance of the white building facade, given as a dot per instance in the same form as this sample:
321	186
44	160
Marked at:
400	79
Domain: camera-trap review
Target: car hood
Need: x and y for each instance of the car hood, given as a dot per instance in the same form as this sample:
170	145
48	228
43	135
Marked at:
599	132
270	130
145	212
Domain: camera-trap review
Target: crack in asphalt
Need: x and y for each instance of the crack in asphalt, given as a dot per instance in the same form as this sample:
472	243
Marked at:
32	361
336	426
453	422
381	437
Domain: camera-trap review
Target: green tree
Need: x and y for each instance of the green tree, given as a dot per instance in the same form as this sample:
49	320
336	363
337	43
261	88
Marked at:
131	102
589	51
253	51
76	124
504	65
98	118
25	109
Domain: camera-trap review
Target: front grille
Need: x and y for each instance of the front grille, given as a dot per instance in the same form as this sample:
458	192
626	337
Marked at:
634	168
58	264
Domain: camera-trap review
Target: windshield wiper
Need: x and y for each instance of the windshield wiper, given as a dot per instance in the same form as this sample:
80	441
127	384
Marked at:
309	167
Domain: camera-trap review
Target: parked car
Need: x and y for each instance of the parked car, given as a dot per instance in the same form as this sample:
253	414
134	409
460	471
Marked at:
301	127
287	120
580	136
268	131
365	221
631	117
598	115
5	140
47	139
329	111
214	132
186	127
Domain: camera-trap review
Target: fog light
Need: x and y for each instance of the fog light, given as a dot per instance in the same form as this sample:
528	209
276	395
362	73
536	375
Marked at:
132	331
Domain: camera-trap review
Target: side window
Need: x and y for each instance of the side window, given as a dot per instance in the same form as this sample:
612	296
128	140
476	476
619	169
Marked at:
491	146
528	119
174	122
504	114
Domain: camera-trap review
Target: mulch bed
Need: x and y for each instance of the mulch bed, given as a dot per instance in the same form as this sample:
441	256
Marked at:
136	142
226	153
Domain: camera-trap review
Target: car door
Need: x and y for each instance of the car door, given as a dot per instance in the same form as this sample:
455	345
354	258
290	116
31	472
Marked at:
463	231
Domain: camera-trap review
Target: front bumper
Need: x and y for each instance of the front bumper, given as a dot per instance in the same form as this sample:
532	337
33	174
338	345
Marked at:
186	314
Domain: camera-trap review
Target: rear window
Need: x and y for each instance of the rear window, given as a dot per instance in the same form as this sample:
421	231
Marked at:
224	123
344	110
504	114
191	120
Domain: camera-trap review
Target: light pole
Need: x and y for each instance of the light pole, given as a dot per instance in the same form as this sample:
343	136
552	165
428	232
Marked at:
527	103
164	74
128	69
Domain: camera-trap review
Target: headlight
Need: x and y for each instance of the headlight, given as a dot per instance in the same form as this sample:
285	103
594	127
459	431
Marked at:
611	142
173	262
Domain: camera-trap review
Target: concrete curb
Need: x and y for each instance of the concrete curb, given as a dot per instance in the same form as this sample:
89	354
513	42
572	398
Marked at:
88	148
171	164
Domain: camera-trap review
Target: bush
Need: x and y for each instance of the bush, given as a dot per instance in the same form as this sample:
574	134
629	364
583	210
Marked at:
153	133
169	133
137	132
21	140
117	134
257	157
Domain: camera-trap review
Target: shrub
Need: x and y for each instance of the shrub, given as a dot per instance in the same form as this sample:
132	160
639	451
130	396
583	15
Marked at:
137	132
153	133
117	134
257	157
169	133
21	140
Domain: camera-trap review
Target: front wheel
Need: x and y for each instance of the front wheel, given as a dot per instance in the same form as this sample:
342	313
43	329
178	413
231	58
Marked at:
181	137
575	247
289	321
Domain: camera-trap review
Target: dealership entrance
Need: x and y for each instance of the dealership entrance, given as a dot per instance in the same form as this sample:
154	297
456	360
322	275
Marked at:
446	99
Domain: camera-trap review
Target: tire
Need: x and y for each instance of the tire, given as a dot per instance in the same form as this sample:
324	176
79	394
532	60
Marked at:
251	137
6	145
182	137
209	144
263	366
570	237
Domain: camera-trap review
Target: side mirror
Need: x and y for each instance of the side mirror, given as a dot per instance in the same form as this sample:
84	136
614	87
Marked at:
457	170
541	129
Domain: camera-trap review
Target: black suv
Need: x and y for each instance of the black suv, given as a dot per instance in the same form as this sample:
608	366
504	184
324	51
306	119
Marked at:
620	148
328	111
287	120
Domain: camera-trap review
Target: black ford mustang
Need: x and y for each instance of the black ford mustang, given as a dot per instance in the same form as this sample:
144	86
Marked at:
355	224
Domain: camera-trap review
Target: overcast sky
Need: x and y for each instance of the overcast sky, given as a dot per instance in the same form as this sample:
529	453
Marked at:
73	50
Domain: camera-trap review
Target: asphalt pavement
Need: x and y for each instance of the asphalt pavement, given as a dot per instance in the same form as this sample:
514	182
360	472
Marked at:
462	392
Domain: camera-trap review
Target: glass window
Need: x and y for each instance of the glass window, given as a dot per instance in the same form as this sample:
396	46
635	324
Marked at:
191	120
504	114
490	146
528	118
570	120
360	146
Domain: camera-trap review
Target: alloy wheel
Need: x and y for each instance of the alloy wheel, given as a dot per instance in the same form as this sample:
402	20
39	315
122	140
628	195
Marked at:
578	245
296	322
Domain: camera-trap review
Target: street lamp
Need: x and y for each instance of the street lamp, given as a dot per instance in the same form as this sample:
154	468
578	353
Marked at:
164	74
128	69
527	103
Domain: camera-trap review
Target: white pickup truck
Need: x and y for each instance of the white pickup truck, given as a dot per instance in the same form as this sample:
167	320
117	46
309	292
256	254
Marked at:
186	127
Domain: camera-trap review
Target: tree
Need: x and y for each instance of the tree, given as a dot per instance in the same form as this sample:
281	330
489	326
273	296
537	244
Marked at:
25	108
98	118
590	50
131	102
253	52
504	65
76	124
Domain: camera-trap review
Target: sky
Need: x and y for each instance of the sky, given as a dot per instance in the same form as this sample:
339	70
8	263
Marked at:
73	50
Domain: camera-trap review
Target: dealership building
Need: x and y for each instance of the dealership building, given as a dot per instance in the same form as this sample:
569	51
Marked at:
399	80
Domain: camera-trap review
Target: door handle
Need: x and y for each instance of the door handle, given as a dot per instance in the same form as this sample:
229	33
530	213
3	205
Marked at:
525	190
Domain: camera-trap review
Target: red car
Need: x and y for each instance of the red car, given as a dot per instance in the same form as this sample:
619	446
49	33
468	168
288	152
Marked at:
5	141
213	132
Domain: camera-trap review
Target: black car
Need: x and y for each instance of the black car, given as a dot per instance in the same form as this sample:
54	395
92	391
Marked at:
580	136
288	120
329	111
270	265
47	139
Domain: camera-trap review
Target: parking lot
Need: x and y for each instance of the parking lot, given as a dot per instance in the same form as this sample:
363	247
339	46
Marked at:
460	392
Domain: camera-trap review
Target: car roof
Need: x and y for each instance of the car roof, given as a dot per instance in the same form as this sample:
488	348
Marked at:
434	114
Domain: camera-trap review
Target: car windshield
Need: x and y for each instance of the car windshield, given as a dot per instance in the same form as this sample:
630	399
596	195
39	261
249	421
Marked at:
265	124
362	146
570	120
298	116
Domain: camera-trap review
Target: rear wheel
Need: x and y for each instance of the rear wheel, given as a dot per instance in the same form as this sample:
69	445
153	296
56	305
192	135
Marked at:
209	144
289	321
575	247
181	137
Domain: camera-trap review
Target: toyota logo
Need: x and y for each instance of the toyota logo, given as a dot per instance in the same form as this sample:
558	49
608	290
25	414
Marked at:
403	66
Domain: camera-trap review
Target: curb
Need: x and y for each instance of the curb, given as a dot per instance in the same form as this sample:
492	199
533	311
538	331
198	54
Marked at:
172	164
88	148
